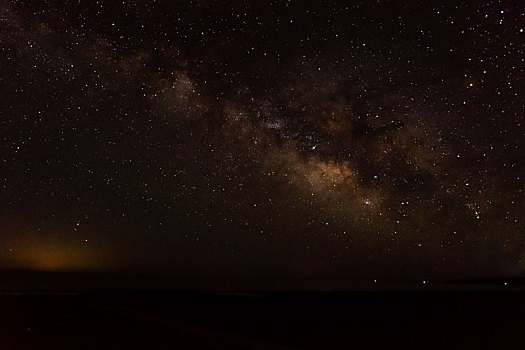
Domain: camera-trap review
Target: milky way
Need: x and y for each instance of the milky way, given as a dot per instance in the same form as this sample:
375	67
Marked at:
353	140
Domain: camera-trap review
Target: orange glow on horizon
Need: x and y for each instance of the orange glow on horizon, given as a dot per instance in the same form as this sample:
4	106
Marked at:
51	257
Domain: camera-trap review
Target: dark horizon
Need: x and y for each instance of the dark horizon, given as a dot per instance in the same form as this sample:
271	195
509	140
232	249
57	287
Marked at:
26	281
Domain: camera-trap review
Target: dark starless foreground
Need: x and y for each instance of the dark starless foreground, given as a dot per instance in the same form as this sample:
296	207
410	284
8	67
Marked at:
162	319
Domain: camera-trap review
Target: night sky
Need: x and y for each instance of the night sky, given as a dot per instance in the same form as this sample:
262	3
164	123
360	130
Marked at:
364	139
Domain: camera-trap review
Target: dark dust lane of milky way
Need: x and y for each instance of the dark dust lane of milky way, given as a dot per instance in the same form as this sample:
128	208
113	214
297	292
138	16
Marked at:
364	139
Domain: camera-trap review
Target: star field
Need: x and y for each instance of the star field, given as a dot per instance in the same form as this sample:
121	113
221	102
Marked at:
356	140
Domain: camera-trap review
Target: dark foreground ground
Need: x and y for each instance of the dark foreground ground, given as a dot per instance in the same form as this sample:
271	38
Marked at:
269	320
